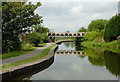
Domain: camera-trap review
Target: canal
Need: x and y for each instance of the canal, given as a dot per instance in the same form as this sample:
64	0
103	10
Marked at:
73	62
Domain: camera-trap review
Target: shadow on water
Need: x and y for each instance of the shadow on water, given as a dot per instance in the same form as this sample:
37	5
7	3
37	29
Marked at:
27	76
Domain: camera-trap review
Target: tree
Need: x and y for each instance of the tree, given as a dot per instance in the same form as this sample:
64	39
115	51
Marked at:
112	29
35	38
98	24
82	29
42	31
17	18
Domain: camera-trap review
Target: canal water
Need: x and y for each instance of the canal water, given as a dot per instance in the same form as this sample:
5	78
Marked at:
77	63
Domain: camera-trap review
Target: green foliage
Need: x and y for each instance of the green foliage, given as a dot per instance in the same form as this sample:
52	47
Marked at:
26	46
35	38
83	29
91	35
78	40
17	17
42	31
98	24
112	29
113	46
44	38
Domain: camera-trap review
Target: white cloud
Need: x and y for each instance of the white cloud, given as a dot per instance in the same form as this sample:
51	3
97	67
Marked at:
77	9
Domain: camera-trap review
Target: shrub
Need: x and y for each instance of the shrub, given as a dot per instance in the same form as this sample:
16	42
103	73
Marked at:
112	29
92	35
35	38
44	38
26	46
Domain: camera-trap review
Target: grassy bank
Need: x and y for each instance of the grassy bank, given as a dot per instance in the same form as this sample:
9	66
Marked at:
113	46
25	50
43	54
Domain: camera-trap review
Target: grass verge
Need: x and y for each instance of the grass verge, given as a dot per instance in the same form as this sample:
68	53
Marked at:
16	53
43	54
20	52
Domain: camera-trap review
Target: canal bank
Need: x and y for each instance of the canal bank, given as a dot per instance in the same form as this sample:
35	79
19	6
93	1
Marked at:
27	67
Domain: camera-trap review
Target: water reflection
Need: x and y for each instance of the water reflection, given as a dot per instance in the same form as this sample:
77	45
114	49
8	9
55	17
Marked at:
100	57
105	58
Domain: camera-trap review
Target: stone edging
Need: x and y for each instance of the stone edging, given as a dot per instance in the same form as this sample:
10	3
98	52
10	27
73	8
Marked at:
25	68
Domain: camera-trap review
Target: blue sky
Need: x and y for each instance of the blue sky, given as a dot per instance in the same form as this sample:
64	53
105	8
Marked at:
72	15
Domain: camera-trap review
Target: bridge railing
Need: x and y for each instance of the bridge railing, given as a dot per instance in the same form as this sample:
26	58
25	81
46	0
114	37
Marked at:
69	34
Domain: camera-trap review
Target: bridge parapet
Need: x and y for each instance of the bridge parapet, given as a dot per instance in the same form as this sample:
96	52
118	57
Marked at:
66	34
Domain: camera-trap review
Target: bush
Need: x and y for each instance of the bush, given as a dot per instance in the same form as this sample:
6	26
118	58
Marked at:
112	29
97	24
26	46
44	38
35	38
92	35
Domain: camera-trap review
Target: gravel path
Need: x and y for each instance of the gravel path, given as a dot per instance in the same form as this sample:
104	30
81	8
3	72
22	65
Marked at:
25	56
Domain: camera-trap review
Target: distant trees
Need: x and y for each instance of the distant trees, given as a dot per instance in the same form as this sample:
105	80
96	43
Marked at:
42	31
82	29
98	24
112	29
103	30
37	35
17	18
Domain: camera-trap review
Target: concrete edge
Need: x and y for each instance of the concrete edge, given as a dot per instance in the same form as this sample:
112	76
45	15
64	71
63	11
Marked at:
25	68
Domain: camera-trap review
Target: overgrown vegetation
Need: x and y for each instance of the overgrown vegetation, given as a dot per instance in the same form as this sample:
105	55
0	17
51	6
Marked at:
102	33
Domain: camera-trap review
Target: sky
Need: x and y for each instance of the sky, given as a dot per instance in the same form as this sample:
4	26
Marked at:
64	15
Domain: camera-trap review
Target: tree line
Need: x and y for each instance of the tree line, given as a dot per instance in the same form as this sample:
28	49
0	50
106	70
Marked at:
102	30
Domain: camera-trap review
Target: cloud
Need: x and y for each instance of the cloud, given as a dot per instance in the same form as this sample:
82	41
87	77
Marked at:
64	16
77	9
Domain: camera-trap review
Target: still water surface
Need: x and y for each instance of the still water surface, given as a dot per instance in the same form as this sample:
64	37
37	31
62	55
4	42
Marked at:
91	65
